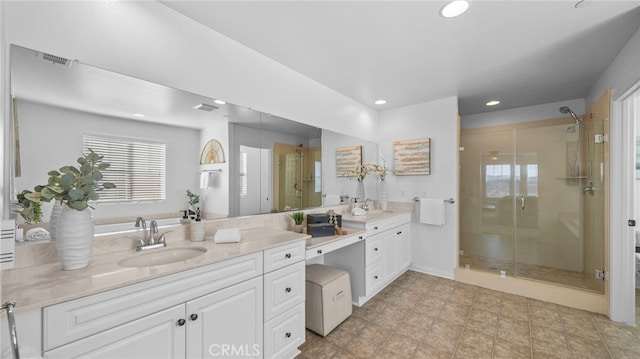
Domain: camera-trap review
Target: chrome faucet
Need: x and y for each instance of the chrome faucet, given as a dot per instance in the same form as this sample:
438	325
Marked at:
152	241
365	206
141	221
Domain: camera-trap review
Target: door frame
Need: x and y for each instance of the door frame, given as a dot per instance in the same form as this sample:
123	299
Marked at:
622	251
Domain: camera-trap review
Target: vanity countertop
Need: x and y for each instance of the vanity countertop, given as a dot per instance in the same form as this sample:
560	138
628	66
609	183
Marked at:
377	215
47	284
319	241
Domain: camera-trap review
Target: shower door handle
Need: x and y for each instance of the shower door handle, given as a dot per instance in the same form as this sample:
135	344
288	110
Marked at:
522	202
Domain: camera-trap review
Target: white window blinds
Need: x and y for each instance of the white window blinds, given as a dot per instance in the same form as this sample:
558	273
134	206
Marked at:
138	168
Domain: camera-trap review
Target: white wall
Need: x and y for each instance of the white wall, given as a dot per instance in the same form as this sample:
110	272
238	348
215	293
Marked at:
521	114
51	137
435	249
621	74
150	41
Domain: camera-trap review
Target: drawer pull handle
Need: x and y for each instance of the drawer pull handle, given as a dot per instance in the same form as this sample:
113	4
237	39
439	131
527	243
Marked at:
319	251
376	228
288	255
193	316
181	322
338	296
375	249
287	289
375	277
399	233
360	237
287	334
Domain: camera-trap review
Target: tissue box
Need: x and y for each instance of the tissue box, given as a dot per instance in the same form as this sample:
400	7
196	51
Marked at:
321	229
322	218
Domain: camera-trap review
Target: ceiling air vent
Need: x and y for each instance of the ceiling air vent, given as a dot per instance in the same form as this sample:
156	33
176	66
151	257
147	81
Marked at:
205	107
55	59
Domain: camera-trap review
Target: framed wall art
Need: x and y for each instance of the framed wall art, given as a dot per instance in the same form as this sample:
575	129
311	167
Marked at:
412	157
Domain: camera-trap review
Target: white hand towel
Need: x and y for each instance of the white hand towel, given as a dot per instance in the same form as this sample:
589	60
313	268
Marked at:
432	211
331	199
36	234
228	235
204	179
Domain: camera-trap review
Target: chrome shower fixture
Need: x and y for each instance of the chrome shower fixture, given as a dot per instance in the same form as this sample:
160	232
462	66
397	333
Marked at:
566	110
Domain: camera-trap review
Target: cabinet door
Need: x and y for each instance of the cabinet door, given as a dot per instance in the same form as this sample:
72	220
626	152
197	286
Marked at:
391	255
227	323
155	336
404	232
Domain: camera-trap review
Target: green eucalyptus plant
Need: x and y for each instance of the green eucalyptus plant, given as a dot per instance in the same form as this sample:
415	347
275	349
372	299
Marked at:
76	186
30	206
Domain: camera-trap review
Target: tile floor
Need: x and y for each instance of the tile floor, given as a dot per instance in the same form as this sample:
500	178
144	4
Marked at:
421	316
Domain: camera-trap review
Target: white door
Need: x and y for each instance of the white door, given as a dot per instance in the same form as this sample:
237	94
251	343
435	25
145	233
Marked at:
227	323
159	335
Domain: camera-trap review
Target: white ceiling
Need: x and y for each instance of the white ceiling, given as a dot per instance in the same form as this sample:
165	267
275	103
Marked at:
520	52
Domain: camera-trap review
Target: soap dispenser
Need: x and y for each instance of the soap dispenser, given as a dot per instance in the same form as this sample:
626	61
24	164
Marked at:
185	219
197	228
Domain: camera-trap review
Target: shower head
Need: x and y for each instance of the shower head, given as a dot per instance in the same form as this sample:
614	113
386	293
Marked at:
566	110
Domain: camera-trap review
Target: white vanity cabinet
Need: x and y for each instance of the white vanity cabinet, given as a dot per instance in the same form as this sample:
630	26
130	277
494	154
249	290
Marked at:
245	307
373	263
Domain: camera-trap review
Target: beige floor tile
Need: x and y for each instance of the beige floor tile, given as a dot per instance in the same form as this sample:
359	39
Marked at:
420	316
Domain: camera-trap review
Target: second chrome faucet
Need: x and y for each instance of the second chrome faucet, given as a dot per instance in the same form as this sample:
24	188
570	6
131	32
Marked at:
152	242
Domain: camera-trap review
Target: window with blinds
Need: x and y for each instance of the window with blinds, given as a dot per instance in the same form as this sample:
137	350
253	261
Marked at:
138	168
243	174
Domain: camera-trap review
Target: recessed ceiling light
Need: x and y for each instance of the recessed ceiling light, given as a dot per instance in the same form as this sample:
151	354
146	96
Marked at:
219	102
454	8
380	102
139	115
492	103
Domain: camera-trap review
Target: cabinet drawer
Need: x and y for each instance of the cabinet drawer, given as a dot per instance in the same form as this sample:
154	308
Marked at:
80	318
276	258
385	224
374	248
332	246
283	334
283	289
375	276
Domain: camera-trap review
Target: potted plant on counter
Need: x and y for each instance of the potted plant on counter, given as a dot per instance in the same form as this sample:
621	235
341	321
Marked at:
75	188
298	219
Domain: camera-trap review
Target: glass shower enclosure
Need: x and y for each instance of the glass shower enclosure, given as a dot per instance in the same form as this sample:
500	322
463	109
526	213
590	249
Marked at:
532	201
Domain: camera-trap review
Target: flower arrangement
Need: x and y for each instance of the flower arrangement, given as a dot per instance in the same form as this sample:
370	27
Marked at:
380	171
362	170
30	207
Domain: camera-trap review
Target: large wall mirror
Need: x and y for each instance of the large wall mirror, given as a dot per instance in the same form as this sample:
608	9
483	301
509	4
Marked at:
271	164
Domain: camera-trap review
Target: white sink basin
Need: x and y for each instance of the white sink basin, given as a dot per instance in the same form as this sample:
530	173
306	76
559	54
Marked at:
158	257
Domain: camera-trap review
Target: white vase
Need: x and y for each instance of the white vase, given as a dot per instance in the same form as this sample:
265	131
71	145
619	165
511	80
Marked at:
360	192
74	238
53	219
382	195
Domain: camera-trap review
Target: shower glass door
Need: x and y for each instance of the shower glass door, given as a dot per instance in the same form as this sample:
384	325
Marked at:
486	201
532	202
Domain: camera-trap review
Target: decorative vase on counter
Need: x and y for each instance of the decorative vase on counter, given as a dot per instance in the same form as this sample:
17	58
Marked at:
360	192
382	195
197	231
298	228
74	237
53	220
